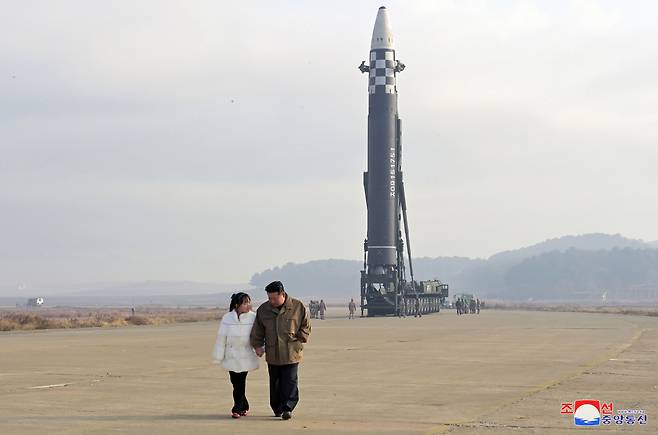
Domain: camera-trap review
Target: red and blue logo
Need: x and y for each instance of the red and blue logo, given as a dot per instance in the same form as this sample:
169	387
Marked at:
587	413
595	413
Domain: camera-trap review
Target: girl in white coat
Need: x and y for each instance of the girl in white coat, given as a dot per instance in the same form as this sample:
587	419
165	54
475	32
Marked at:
233	351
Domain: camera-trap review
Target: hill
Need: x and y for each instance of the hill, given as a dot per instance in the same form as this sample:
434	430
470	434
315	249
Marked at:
621	273
566	267
585	242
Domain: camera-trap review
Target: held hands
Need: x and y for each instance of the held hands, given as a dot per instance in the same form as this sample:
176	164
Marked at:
260	351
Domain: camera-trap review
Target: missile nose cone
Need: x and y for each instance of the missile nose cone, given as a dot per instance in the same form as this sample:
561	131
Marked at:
382	34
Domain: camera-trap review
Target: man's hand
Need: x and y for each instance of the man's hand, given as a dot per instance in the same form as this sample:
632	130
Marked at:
260	351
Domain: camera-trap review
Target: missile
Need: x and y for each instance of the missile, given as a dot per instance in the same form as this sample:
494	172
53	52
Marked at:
385	289
381	181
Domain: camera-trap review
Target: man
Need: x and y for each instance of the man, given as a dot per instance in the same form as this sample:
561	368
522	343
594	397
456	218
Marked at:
352	307
417	307
322	308
315	309
281	327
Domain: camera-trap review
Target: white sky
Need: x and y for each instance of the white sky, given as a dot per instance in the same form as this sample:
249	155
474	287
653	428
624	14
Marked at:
207	140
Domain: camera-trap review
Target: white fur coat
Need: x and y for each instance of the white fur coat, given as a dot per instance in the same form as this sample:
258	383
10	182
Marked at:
232	349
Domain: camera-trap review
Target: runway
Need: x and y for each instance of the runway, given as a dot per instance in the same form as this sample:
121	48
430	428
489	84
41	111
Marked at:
495	373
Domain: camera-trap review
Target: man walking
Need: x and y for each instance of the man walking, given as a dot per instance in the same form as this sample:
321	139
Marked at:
323	308
281	327
352	308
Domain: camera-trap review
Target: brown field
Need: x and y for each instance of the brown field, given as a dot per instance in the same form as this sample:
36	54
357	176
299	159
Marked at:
649	309
67	318
70	318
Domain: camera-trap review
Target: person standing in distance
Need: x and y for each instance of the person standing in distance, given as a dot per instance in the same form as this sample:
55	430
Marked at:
281	328
352	308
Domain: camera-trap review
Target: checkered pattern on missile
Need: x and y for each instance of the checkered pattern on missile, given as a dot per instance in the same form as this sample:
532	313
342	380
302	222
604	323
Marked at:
382	72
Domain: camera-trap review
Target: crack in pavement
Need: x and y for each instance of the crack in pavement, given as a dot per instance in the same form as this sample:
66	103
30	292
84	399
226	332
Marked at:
552	384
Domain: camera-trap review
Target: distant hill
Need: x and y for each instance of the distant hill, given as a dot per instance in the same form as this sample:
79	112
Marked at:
166	293
321	278
521	273
585	274
569	266
490	278
446	269
585	242
109	300
341	278
153	288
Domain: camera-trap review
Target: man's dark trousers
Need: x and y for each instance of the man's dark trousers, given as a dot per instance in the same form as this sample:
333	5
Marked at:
284	393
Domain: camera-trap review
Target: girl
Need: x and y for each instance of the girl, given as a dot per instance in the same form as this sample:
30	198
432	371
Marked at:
233	351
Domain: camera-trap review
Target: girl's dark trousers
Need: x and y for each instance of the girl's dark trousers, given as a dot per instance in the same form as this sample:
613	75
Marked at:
239	381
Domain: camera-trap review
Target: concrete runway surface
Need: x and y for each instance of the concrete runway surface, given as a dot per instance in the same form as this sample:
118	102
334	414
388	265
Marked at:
497	373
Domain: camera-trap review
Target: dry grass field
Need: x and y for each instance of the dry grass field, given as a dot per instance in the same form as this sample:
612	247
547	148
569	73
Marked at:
632	309
68	318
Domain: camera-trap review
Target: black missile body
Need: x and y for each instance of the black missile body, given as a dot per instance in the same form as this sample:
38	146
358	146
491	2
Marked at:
384	289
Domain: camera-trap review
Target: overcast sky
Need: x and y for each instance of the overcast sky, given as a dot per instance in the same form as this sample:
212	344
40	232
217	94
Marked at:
208	140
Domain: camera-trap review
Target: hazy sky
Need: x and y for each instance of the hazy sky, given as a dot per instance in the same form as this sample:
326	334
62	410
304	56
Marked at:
207	140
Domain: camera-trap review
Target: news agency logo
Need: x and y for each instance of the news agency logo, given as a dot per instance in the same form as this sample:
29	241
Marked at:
587	413
596	413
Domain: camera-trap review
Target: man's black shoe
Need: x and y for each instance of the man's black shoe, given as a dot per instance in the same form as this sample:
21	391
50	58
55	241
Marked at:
286	415
277	414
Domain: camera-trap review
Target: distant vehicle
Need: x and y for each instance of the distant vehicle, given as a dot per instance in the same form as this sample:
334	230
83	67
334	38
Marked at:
35	302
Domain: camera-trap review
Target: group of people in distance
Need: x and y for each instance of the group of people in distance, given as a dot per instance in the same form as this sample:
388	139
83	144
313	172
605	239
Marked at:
317	308
472	306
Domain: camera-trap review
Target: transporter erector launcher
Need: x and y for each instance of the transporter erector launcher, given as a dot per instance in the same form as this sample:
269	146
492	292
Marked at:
384	288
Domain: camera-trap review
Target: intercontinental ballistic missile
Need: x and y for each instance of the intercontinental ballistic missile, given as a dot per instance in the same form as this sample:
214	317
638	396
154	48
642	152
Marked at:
384	288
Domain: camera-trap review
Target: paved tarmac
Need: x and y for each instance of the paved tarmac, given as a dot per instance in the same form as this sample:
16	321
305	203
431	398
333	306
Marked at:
497	373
